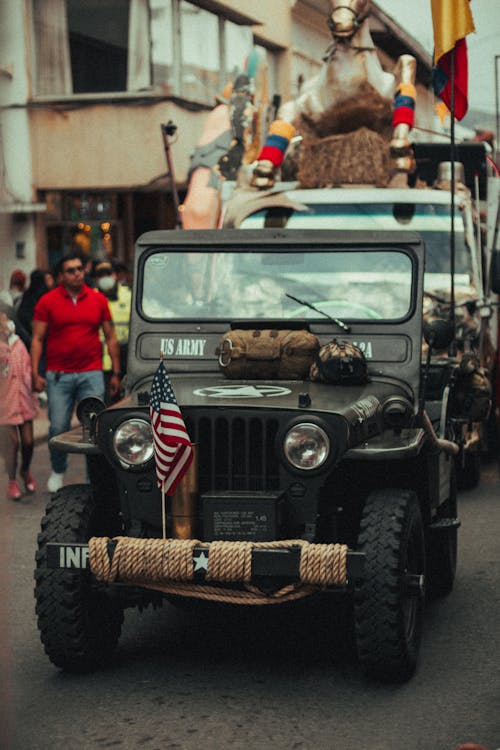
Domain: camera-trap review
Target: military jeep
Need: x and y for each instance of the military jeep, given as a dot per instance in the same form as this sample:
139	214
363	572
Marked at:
297	487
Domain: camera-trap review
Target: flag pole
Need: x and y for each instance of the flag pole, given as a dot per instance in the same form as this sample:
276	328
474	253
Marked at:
452	232
163	509
163	512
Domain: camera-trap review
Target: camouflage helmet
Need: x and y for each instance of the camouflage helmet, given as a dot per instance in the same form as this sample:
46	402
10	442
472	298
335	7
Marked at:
340	362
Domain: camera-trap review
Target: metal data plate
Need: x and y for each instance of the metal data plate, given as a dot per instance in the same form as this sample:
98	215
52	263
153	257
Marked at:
240	516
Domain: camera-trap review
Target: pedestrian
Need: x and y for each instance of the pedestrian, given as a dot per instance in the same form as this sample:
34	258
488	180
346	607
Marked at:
122	273
12	297
18	405
38	286
119	299
68	318
49	279
17	285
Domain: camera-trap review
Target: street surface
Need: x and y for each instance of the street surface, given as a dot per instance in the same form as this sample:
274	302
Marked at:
273	679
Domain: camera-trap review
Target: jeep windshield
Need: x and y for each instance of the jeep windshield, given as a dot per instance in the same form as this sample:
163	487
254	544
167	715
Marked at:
352	284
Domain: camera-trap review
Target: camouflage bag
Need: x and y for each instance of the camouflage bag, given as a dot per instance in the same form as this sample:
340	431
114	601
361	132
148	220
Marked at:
267	354
340	362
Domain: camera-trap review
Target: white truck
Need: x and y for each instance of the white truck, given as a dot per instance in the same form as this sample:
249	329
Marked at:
426	210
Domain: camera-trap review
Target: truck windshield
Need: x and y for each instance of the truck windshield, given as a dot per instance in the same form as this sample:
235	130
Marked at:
431	220
352	285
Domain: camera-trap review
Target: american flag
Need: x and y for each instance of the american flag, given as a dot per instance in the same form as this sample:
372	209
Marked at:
172	447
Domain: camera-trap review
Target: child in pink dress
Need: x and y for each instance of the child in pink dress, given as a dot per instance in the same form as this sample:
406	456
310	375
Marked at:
18	405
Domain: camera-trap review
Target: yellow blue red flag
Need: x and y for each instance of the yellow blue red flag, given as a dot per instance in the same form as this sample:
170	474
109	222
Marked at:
452	21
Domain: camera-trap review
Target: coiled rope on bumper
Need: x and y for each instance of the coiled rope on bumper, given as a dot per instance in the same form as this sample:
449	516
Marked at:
167	565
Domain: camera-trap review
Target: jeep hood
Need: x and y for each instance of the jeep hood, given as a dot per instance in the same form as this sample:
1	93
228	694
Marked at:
207	391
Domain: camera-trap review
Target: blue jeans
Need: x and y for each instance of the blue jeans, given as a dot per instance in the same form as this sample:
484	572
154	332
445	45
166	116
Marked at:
64	391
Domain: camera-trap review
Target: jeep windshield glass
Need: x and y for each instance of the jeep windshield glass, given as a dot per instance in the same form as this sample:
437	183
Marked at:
350	285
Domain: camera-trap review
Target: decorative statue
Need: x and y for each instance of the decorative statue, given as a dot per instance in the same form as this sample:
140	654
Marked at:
351	93
353	119
231	137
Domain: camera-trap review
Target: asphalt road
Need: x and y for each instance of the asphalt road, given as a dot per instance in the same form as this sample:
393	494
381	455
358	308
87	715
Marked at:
278	679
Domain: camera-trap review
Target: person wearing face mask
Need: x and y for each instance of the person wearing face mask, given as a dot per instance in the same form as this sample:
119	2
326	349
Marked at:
119	299
18	405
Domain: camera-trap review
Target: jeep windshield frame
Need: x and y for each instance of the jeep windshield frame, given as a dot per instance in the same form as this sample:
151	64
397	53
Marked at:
360	283
189	344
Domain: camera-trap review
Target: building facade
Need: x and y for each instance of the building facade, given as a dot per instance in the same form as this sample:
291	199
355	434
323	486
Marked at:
85	87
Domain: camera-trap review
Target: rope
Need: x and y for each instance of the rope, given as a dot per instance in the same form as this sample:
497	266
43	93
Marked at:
167	565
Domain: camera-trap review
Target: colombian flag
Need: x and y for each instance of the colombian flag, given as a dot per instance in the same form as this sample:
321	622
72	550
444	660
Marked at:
452	21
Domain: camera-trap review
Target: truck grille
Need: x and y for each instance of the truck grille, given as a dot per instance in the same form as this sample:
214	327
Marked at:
235	453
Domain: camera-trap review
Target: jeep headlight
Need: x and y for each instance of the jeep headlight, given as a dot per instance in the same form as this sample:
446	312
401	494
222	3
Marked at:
306	446
133	442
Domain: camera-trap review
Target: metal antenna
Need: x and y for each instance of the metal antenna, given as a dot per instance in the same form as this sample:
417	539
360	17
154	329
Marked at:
168	131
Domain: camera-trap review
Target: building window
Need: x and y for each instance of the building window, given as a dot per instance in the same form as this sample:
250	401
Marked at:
91	47
171	46
162	45
98	45
238	42
190	46
200	60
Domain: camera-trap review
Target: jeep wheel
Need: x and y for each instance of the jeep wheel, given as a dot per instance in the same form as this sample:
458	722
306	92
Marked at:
389	602
442	551
79	624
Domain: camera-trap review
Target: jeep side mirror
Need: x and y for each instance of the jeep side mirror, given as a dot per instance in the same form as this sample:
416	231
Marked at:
87	411
495	272
438	333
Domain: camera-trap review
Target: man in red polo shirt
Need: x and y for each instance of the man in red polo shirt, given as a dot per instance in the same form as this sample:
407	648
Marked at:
68	319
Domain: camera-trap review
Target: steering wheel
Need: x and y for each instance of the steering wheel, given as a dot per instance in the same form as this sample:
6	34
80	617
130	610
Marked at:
342	308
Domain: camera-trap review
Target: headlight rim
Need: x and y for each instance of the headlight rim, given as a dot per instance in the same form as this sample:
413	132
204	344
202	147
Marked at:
118	458
325	464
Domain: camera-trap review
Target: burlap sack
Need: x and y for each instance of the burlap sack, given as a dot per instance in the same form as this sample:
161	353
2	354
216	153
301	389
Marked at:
267	354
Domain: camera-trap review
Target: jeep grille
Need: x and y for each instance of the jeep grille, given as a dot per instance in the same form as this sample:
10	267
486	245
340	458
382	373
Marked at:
235	452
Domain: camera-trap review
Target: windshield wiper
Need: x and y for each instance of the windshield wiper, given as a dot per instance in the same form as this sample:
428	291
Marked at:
339	323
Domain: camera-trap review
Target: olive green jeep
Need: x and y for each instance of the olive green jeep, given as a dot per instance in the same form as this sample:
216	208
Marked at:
297	486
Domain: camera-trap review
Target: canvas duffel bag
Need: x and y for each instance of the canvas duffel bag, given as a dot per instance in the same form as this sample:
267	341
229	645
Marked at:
267	354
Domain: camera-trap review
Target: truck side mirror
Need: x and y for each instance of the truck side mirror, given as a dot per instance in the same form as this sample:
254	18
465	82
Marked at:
495	272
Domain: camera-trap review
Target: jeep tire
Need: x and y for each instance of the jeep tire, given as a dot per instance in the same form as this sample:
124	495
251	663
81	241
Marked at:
79	623
389	601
